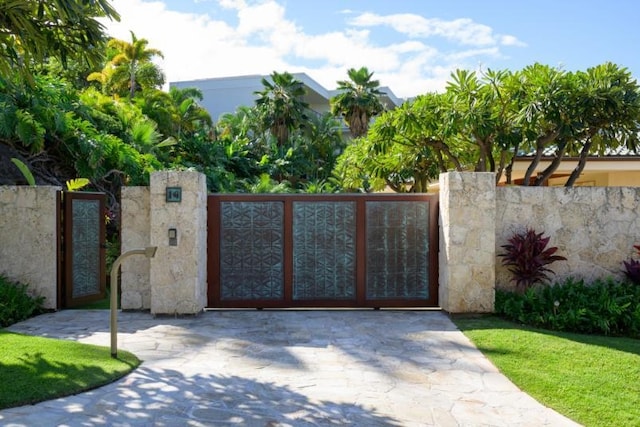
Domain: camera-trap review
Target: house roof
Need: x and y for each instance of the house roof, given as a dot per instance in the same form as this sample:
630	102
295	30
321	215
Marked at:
225	94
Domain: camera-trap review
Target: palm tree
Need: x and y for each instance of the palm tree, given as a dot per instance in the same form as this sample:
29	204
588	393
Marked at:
131	67
177	112
358	101
281	106
189	114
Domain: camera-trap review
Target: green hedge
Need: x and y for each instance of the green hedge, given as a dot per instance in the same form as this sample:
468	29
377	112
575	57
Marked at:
604	307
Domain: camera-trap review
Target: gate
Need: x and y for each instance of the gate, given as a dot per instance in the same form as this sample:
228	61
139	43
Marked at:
288	251
81	261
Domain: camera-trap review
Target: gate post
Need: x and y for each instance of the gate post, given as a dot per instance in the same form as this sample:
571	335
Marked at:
178	227
467	242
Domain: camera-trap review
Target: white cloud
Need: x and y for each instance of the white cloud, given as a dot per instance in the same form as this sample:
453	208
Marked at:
511	41
463	30
262	39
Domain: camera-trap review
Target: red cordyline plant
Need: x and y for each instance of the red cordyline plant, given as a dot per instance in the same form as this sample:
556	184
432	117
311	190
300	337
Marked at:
527	256
632	267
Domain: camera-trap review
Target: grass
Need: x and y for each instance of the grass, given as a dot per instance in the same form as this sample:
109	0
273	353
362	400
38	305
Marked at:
34	369
594	380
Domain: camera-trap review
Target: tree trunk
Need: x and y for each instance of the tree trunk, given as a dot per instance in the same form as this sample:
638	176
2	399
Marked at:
481	166
509	169
486	163
541	142
441	164
132	80
445	149
575	174
546	174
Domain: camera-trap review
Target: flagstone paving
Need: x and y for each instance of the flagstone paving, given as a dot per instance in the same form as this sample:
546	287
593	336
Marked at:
286	368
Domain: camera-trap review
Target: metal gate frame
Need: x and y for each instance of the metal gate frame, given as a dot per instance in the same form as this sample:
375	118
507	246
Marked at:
213	243
65	249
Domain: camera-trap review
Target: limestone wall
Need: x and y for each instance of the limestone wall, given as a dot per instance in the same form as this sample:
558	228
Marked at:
28	239
594	227
467	242
135	234
179	273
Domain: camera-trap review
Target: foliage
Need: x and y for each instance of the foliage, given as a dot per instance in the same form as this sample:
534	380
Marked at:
632	268
264	184
177	113
604	307
16	304
243	151
34	30
66	367
77	184
483	122
403	150
24	169
591	379
281	106
358	100
129	68
112	251
527	255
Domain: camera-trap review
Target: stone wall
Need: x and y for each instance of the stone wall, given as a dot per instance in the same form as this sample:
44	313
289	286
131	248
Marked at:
175	280
594	227
28	236
135	234
467	242
179	272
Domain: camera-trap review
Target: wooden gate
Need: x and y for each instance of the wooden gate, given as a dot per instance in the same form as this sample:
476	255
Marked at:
81	261
279	251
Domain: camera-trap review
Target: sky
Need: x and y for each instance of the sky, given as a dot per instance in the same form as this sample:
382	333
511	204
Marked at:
411	46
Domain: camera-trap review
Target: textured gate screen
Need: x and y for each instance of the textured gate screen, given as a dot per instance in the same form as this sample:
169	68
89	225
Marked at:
251	250
342	250
397	250
86	239
324	250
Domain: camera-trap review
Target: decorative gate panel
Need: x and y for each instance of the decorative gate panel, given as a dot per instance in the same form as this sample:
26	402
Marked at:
322	251
83	243
397	250
251	251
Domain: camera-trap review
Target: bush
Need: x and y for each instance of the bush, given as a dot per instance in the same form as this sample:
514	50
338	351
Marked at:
16	304
632	268
604	307
527	256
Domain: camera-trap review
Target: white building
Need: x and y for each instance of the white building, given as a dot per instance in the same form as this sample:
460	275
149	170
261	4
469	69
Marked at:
225	94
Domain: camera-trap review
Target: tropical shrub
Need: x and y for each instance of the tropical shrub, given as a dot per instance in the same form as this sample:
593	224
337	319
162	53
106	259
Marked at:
527	256
15	302
632	268
604	307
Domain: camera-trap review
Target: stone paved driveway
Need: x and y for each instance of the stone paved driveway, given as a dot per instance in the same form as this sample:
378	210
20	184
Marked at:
286	368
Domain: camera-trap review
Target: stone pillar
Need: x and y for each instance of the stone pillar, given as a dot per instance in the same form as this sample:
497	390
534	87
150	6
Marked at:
135	234
467	242
179	272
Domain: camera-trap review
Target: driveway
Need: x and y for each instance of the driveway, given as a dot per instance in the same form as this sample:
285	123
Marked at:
286	368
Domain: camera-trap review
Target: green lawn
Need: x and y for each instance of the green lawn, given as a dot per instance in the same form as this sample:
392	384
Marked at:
33	369
593	380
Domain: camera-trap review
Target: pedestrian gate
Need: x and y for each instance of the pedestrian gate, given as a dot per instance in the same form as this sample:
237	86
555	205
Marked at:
279	251
81	260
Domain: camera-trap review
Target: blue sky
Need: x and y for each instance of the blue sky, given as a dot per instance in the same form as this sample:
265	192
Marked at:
412	46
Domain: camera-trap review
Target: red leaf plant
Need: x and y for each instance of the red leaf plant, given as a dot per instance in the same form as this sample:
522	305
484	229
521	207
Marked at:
632	267
527	256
